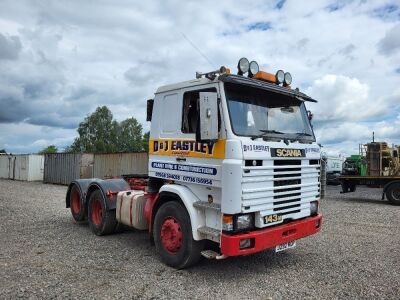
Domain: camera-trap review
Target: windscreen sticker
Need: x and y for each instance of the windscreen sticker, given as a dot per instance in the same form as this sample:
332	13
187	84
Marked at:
190	148
184	168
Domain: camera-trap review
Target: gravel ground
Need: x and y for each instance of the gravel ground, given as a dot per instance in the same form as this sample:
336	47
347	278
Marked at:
44	254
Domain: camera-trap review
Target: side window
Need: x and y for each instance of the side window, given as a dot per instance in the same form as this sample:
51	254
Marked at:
190	111
170	106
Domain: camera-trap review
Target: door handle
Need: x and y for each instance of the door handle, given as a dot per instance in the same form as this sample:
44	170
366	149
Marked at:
180	159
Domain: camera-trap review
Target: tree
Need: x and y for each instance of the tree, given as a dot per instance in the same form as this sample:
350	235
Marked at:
3	151
145	141
99	132
49	149
130	136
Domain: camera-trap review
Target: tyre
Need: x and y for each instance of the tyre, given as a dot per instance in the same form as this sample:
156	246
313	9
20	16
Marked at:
76	204
101	220
173	236
393	193
352	188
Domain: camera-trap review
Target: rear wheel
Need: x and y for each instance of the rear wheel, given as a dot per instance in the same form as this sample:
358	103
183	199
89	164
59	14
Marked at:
75	203
393	193
173	236
101	220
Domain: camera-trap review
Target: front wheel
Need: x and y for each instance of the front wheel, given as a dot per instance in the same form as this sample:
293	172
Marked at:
173	236
393	193
101	220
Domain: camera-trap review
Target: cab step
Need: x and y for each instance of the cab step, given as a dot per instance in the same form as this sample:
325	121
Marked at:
203	204
210	254
210	233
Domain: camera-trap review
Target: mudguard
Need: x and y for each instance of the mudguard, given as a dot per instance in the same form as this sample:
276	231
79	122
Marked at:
108	187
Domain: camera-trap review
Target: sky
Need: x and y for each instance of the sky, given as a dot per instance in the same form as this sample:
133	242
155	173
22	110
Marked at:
59	60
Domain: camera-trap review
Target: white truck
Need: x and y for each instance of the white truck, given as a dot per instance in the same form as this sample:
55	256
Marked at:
234	169
334	167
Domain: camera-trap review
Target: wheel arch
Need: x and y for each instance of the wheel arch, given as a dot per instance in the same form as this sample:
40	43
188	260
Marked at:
82	185
109	189
184	196
387	185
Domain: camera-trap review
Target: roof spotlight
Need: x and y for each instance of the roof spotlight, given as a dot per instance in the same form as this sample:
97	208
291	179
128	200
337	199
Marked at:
253	68
243	65
288	78
280	76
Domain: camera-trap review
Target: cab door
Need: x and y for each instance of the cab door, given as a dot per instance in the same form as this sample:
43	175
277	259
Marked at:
174	152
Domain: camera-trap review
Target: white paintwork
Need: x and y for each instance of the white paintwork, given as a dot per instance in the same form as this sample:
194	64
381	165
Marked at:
232	186
208	106
235	190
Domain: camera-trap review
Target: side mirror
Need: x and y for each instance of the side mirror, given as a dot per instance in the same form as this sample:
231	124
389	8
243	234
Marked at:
208	108
309	115
150	103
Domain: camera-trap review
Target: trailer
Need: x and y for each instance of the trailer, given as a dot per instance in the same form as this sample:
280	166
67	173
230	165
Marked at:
390	185
377	165
233	169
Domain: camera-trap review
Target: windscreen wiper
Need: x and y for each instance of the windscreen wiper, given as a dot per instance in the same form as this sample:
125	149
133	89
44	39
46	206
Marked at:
302	134
265	132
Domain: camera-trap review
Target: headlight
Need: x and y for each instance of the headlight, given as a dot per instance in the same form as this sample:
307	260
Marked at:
288	78
314	208
280	76
243	65
253	68
244	222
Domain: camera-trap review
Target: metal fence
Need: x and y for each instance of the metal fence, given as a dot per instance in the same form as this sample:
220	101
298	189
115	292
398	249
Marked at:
62	168
117	164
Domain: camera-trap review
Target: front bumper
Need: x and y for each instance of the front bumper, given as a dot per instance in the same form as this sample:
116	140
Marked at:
270	237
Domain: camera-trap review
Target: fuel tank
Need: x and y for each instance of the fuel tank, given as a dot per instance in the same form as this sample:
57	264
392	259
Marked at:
130	209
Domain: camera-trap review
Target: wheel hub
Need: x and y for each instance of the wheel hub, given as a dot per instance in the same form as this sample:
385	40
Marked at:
171	235
97	212
396	193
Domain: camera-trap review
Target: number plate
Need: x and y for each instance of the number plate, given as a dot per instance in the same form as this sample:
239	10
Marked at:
285	246
272	219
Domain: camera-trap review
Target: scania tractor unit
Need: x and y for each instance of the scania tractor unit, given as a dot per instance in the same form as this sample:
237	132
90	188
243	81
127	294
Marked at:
234	169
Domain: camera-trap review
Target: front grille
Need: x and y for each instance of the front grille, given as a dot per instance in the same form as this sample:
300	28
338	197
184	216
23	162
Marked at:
280	186
285	184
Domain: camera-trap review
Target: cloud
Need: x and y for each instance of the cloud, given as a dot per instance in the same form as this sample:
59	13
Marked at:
391	42
10	46
342	98
60	60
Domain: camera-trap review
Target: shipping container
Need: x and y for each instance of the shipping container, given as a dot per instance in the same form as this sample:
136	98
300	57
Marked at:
62	168
27	167
118	164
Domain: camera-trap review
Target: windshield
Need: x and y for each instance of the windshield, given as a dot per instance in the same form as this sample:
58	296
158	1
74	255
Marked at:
259	113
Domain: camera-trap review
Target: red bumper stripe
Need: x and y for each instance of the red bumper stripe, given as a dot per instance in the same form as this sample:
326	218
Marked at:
270	237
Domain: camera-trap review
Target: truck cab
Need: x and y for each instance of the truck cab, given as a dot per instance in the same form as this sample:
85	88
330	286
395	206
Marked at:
241	156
